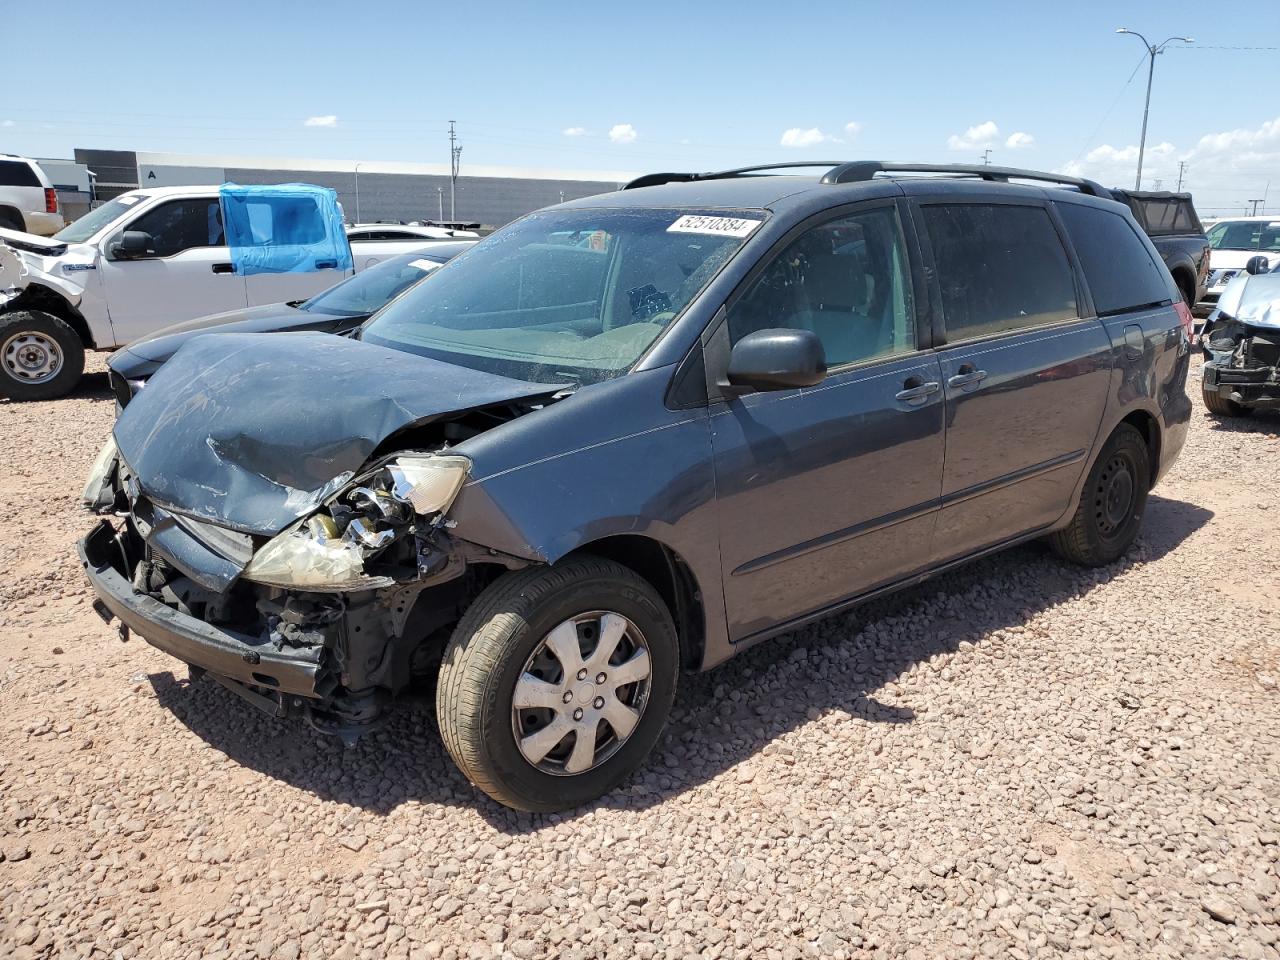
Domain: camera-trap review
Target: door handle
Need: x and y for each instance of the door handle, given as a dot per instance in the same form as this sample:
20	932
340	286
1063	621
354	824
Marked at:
916	391
967	376
223	268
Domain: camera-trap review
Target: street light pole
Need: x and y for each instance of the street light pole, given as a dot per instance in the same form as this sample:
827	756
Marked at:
357	193
1152	53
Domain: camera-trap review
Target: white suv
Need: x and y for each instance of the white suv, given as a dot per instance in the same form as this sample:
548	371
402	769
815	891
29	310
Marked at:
28	201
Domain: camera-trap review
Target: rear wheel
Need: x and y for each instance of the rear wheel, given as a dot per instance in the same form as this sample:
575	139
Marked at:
1222	406
10	219
41	357
1111	504
557	683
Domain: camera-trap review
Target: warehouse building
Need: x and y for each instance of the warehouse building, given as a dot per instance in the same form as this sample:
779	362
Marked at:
369	191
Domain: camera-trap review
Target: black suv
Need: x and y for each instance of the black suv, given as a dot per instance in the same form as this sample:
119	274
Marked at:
637	433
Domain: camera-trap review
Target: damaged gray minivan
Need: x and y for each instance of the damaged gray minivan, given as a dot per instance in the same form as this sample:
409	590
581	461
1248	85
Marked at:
634	434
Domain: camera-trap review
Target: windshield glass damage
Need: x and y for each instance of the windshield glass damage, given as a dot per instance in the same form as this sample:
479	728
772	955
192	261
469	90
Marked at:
565	296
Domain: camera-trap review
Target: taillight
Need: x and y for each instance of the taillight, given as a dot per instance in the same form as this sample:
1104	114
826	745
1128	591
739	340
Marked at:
1184	315
50	200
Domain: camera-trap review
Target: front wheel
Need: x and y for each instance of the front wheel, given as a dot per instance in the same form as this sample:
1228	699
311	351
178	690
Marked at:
41	357
557	683
1112	502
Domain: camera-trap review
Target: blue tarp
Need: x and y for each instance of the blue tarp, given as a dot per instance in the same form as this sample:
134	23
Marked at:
284	228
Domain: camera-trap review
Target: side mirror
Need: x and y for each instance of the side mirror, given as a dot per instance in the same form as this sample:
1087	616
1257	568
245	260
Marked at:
1257	265
777	360
132	245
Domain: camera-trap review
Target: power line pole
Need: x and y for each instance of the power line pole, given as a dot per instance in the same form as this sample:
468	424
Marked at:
455	157
1152	53
1182	166
986	157
1254	212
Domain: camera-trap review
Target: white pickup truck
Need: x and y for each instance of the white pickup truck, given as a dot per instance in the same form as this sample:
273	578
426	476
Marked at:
151	258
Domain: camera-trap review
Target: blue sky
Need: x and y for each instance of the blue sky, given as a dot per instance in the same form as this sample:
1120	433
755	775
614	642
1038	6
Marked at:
678	85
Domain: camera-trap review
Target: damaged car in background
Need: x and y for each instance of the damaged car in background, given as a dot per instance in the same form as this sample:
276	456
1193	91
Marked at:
638	433
1241	344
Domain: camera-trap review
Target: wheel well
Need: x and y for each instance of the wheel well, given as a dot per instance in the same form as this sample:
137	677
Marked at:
39	297
667	573
1146	425
1186	281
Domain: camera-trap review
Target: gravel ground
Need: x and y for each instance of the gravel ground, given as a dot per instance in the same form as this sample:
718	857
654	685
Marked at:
1021	759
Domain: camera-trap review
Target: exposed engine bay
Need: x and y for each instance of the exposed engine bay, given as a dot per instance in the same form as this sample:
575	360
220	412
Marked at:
1241	344
310	565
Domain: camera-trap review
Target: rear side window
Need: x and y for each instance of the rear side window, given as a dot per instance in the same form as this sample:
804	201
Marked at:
1000	267
16	173
1121	272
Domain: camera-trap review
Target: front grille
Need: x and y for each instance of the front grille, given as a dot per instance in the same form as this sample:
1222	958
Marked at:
120	387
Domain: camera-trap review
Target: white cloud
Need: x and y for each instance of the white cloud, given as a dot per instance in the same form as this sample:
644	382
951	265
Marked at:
328	120
7	123
975	138
796	137
1020	140
623	133
575	131
852	129
1223	170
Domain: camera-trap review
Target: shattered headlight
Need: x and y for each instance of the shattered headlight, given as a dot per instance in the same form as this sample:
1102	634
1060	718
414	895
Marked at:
98	493
330	548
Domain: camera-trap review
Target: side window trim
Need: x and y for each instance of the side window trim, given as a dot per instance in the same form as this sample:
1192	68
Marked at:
1084	303
114	235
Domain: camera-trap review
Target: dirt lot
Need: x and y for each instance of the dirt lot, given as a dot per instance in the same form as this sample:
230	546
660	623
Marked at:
1022	759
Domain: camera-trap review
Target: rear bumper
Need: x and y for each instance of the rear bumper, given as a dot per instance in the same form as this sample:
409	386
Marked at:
43	224
248	660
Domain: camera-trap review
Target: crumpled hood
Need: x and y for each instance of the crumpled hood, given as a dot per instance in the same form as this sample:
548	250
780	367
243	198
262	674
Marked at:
1254	300
253	431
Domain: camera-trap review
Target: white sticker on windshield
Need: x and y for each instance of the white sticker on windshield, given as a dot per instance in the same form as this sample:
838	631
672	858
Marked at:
127	201
718	226
422	264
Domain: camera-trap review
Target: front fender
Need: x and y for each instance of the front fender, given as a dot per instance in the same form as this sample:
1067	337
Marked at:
611	460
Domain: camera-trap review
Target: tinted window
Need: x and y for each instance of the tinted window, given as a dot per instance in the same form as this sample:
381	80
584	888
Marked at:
1159	215
1121	272
846	280
373	287
16	173
999	267
181	225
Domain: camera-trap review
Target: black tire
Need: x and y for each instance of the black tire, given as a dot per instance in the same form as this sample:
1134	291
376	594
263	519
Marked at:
43	329
1111	504
489	651
11	219
1222	406
1188	291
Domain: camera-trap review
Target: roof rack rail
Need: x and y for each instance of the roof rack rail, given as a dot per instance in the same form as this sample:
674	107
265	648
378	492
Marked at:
857	171
657	179
861	170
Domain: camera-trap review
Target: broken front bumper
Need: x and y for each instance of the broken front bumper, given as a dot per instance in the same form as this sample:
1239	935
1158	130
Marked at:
1255	387
239	657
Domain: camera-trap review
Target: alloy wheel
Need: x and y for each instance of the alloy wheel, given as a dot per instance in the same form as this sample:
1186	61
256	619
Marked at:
581	693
